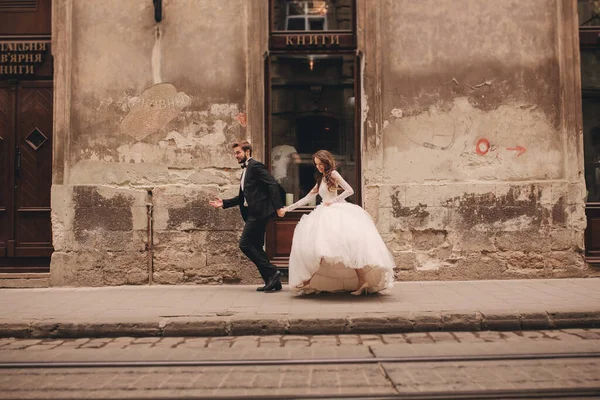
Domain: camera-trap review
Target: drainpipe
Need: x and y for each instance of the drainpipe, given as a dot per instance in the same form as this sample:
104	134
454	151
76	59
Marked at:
158	16
150	232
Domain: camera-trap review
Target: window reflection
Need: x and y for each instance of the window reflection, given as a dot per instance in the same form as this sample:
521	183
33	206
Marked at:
590	82
317	15
312	108
589	12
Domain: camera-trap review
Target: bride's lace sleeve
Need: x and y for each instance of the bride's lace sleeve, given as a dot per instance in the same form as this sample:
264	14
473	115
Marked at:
305	200
348	191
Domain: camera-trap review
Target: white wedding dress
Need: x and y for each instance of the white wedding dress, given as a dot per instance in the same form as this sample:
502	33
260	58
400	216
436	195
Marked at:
332	241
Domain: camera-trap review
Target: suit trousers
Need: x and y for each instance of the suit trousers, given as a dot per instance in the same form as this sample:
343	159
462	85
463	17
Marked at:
251	244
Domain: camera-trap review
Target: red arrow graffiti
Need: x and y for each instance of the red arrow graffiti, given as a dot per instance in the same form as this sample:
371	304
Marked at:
518	149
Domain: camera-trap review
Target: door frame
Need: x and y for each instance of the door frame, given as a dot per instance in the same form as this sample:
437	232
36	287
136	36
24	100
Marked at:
7	249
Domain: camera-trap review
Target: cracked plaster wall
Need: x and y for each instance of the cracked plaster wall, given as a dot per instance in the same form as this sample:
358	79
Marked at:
469	169
154	108
469	175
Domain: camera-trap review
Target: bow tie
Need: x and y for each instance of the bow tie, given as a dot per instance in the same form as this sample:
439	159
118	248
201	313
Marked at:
244	165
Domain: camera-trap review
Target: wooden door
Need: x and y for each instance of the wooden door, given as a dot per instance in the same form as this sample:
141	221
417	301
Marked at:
26	94
25	175
33	173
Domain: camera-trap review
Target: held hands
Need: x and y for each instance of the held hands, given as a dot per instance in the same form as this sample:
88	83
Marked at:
327	203
216	203
281	212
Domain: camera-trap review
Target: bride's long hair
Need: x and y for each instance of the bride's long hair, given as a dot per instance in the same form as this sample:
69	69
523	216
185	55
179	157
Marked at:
329	163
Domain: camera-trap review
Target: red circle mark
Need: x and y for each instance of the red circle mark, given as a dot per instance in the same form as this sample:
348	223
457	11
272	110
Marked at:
482	147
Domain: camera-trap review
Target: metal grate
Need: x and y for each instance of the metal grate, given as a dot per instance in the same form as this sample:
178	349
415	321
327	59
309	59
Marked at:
18	5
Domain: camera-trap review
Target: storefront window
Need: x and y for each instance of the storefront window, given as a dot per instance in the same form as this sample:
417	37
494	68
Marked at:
312	108
590	82
317	15
589	37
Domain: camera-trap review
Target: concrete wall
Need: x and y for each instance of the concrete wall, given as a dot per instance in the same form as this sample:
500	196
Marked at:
472	162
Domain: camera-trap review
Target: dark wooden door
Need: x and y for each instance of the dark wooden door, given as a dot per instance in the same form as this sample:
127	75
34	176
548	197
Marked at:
25	175
26	93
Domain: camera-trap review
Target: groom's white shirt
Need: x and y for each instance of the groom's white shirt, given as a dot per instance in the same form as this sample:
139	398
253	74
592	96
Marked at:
244	174
242	180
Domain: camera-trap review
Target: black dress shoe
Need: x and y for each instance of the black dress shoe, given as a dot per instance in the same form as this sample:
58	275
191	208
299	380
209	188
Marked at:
275	288
273	282
262	288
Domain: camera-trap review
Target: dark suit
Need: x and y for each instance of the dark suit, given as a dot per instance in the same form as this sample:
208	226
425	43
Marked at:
263	197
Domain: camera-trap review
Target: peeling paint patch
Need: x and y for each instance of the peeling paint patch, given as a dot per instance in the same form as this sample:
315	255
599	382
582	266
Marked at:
224	110
93	211
153	110
521	205
429	238
464	143
242	119
559	214
420	211
196	215
426	263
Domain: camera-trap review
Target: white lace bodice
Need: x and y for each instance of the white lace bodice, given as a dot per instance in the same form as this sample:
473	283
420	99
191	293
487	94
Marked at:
327	195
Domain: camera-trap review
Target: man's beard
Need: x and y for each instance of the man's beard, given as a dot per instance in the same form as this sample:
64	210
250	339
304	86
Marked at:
243	160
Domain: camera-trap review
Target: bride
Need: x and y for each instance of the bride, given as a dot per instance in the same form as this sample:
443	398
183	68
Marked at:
337	247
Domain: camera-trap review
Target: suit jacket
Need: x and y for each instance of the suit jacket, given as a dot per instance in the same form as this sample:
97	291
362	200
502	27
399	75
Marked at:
261	191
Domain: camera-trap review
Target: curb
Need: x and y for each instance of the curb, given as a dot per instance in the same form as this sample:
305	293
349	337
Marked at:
306	325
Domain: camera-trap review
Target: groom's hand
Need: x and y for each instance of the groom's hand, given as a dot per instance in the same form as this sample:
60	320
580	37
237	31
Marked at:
216	203
281	212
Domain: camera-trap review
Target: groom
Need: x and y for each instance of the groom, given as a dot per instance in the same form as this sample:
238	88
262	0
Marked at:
259	198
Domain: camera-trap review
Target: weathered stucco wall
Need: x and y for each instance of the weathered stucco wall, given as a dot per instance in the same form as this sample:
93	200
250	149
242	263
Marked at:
471	175
472	159
153	110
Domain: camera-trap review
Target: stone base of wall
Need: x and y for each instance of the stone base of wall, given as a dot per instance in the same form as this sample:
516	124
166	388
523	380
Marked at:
499	265
101	237
24	281
483	231
511	232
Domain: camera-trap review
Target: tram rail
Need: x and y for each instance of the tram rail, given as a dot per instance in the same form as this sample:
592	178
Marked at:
286	362
533	393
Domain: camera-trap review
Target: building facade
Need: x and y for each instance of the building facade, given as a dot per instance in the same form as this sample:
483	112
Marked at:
458	123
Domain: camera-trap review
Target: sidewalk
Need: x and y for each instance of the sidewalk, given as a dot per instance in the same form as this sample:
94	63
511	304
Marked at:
240	310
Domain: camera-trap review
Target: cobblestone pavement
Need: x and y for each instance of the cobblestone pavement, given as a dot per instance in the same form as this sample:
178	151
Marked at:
298	380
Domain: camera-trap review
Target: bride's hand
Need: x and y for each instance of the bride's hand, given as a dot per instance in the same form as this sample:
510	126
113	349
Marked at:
328	203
